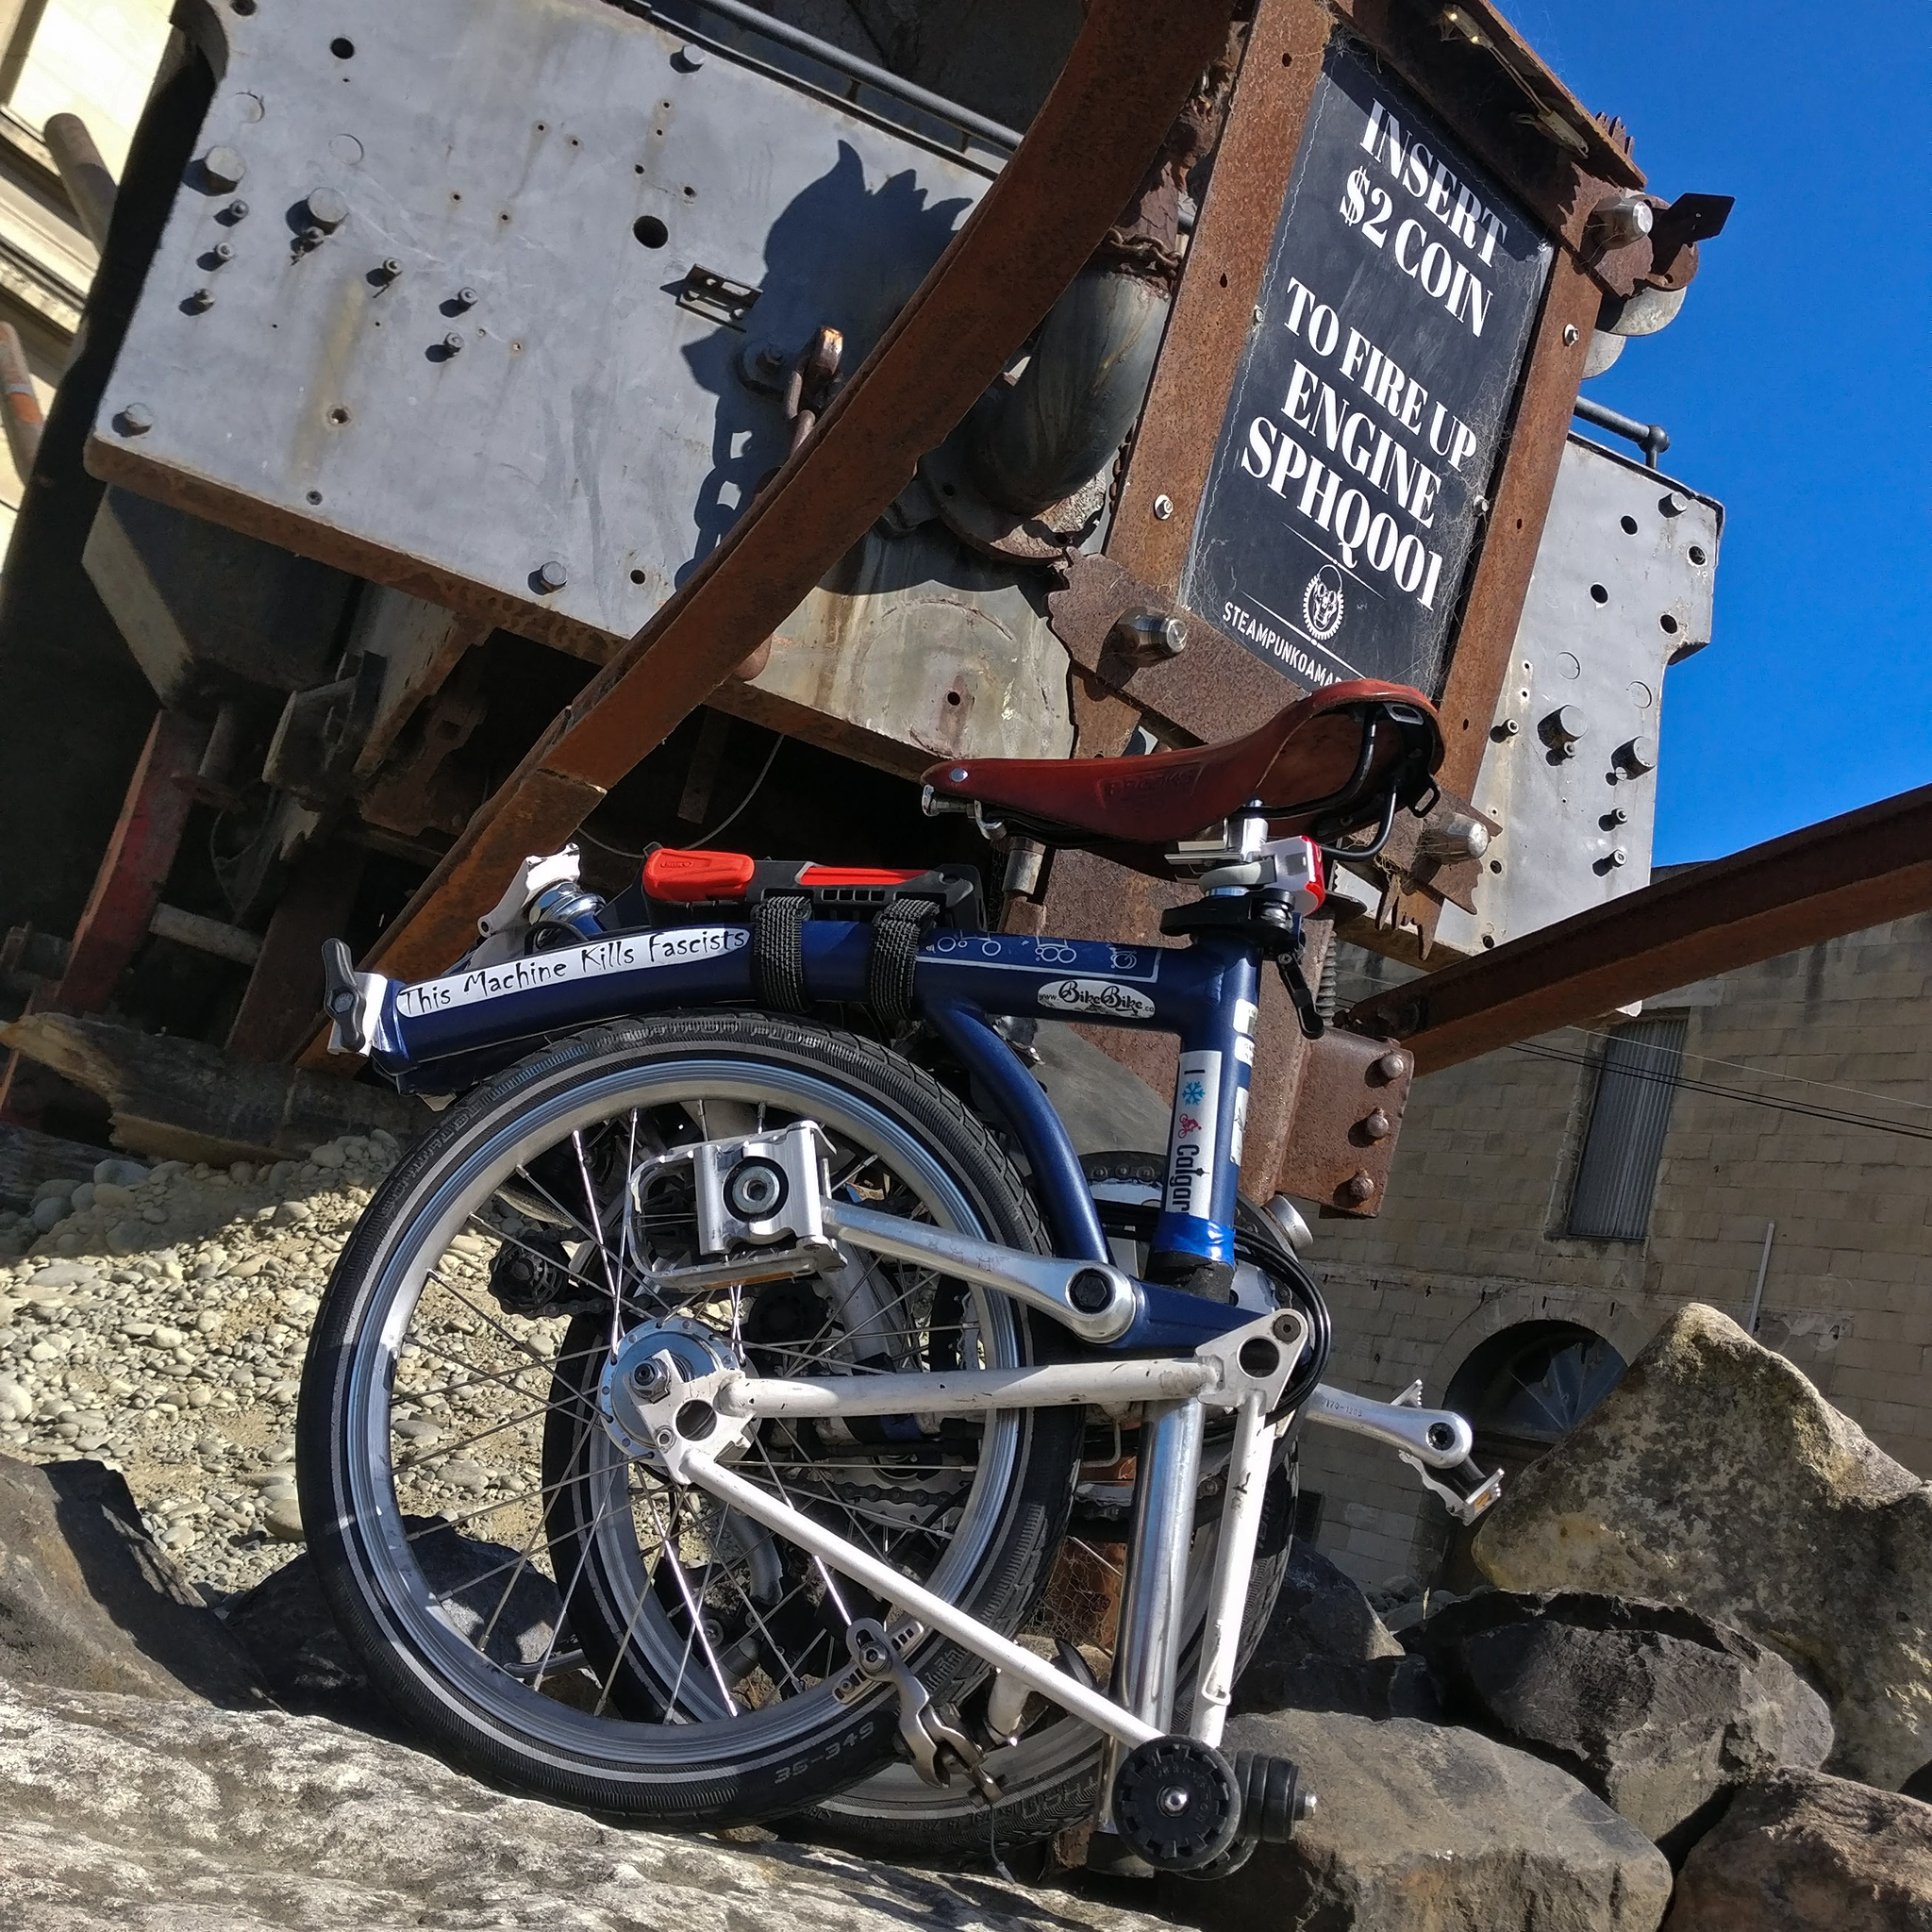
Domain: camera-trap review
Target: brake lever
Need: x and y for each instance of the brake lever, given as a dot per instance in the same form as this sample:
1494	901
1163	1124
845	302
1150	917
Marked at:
1306	1011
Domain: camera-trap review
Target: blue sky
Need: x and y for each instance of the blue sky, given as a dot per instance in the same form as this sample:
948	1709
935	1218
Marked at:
1796	385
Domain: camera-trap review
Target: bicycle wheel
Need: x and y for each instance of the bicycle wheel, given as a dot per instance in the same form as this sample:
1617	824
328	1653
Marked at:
1051	1777
559	1617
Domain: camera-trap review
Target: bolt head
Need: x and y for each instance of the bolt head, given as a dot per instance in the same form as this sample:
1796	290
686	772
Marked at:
137	419
224	167
956	775
1090	1291
690	57
1172	1800
551	575
665	1438
202	299
1163	507
221	252
327	207
467	297
1620	857
1511	727
1568	334
453	343
391	267
236	212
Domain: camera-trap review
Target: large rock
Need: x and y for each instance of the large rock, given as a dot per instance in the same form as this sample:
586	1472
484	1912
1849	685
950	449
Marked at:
121	1814
1802	1852
1423	1829
88	1602
1658	1710
1715	1475
1325	1649
288	1629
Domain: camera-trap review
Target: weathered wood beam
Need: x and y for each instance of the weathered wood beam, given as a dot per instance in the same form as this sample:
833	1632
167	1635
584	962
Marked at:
178	1100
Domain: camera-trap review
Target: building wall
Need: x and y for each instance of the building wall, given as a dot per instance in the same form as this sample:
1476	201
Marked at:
1820	1066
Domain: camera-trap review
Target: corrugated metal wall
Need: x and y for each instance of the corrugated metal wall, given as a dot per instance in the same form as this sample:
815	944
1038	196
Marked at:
1617	1175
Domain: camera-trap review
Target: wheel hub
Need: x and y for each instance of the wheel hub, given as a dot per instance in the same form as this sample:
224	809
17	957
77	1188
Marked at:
635	1377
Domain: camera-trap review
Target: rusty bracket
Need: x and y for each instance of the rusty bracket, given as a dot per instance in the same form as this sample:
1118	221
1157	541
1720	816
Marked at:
1348	1108
1212	688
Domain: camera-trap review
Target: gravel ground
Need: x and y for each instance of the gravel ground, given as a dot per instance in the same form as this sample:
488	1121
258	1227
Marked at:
159	1322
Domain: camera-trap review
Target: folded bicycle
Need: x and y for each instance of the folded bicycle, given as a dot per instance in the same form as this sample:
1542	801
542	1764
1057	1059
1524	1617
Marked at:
746	1402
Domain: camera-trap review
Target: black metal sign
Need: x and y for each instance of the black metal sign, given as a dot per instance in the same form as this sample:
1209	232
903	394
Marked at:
1356	457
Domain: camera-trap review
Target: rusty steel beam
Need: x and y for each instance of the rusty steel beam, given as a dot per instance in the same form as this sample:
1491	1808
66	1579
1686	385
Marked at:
1129	74
1829	880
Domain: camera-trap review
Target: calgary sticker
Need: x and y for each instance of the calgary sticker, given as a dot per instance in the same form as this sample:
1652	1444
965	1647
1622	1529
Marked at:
1191	1153
1103	996
628	954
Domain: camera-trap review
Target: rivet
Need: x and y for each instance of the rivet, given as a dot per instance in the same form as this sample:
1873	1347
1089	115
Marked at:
223	167
956	775
392	268
1379	1126
1360	1186
453	343
1257	311
552	576
135	420
1568	334
1391	1066
1163	507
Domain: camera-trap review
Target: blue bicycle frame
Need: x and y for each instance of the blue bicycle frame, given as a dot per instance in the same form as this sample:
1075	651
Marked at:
436	1034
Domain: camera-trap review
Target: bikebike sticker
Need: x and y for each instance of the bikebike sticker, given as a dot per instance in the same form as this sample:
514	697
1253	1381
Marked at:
1245	1014
1190	1152
671	946
1240	1124
1105	997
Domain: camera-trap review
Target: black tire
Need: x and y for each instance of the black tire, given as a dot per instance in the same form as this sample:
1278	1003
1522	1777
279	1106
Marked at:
1052	1779
380	1565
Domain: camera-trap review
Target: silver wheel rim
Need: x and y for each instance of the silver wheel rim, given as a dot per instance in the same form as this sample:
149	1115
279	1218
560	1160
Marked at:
443	1648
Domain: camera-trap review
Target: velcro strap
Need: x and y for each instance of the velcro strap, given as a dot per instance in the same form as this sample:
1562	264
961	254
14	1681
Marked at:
898	931
777	953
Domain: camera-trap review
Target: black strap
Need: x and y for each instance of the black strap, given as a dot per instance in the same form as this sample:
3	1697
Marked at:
897	933
777	953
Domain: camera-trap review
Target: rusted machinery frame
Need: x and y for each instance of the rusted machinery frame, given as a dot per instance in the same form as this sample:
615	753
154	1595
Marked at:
1839	876
1214	307
1130	71
1469	86
1493	608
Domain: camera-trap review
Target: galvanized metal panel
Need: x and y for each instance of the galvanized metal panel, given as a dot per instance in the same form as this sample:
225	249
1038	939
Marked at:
1623	586
1628	1119
531	382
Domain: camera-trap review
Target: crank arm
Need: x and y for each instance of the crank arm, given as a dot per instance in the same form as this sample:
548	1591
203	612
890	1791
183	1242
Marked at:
1435	1442
1439	1436
935	1612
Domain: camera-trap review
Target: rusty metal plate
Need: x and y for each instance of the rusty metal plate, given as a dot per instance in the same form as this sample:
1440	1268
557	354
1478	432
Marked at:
1348	1107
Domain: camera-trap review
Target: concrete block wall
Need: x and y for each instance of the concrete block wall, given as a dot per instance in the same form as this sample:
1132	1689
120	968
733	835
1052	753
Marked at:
1823	1064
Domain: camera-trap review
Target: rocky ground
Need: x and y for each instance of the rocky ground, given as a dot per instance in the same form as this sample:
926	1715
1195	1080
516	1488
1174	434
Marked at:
1568	1755
157	1323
